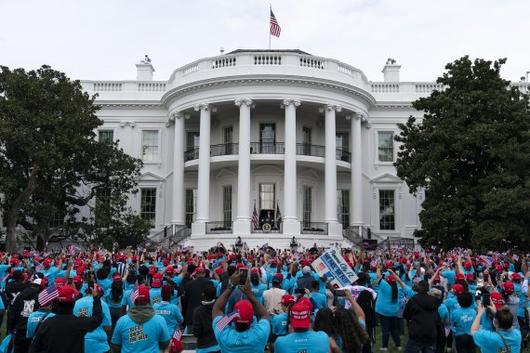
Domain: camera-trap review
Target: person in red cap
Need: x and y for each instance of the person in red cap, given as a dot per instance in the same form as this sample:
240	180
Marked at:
302	339
244	335
272	297
64	332
155	293
280	320
141	330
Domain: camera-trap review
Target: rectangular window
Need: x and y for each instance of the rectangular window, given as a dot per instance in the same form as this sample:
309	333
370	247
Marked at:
148	204
106	136
102	211
192	140
307	204
343	207
342	141
227	206
306	135
228	139
385	146
150	146
267	138
387	210
191	206
266	196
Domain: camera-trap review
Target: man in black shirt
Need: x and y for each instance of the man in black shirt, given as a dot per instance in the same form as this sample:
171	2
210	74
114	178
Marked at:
24	304
64	332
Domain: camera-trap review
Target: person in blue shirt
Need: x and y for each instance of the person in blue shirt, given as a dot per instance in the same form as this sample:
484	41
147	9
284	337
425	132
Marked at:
318	299
244	335
104	281
256	286
36	317
155	293
170	312
505	338
115	300
141	330
302	339
461	321
387	307
95	341
279	322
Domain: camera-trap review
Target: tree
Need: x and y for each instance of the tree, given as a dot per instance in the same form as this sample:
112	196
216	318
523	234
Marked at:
51	163
471	155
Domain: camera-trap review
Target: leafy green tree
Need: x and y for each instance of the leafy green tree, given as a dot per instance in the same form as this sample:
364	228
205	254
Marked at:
471	155
51	164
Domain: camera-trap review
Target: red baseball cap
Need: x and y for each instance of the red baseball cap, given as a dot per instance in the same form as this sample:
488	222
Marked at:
508	287
458	289
300	314
497	300
460	276
287	299
516	276
254	270
152	270
78	279
60	281
143	295
389	264
116	277
157	280
469	277
391	279
170	270
245	310
468	265
67	294
219	270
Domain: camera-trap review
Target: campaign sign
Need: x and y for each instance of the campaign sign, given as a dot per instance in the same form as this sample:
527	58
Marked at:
332	265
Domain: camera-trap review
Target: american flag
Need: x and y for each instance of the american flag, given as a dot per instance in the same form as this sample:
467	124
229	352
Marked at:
226	320
278	215
48	295
134	294
177	335
255	220
275	27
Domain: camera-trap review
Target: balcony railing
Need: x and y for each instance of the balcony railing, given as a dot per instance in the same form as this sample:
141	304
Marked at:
314	228
218	227
191	154
304	149
343	155
267	148
274	228
224	149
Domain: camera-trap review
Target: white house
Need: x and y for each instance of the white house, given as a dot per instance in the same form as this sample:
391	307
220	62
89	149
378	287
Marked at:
265	130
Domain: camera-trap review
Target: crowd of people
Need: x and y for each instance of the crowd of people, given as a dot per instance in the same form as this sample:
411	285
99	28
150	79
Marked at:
257	300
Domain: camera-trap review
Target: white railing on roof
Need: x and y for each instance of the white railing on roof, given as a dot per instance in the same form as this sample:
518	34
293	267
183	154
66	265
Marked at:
266	59
151	86
308	61
107	86
224	62
190	68
385	87
428	87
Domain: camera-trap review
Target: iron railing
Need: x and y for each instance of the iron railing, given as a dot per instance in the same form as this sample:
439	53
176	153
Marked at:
224	149
267	148
343	155
305	149
218	227
314	228
191	154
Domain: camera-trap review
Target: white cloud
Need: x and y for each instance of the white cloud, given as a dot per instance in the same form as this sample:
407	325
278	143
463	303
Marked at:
101	39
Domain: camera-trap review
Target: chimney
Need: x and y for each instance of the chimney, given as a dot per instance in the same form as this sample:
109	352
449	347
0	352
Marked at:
144	70
391	71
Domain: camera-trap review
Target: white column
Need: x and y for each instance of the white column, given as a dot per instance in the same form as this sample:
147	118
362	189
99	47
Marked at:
330	172
203	183
356	196
242	222
177	216
291	224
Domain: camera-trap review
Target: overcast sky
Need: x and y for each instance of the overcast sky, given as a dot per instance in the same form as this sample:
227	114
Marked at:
103	39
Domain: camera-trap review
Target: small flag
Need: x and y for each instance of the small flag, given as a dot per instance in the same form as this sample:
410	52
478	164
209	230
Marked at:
47	295
177	335
278	215
134	294
255	220
226	320
275	27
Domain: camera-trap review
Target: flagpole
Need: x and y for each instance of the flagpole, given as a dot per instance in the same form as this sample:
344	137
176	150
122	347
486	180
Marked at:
270	10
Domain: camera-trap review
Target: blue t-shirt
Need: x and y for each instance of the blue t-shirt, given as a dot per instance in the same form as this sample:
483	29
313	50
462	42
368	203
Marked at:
450	275
491	342
258	291
252	340
34	319
51	273
170	313
155	295
279	324
384	304
307	342
461	321
140	338
95	341
126	300
319	300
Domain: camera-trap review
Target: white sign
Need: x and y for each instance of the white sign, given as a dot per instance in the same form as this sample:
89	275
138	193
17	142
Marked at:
332	265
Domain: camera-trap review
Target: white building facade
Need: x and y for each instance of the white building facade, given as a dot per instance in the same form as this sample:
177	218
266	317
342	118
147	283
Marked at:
265	145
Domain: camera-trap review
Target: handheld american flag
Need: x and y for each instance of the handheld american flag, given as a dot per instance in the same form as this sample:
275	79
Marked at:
275	27
226	320
47	295
134	294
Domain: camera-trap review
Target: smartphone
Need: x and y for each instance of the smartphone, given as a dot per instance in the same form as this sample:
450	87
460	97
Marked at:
243	274
340	293
486	301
